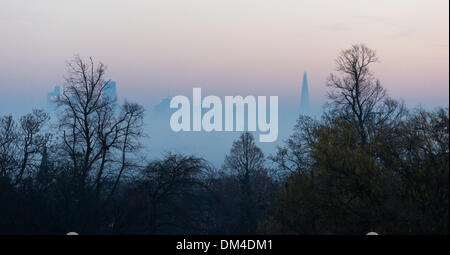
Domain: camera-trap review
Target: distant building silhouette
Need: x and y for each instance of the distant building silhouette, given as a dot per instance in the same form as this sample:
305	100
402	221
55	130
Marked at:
110	91
163	108
304	101
53	98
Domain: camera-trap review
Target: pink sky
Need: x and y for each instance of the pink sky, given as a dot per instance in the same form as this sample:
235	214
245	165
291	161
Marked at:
226	47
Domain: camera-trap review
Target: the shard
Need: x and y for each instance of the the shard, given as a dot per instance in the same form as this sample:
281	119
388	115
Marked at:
304	101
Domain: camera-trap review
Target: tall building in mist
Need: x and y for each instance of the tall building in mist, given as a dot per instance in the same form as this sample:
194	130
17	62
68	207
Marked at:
110	91
53	98
304	100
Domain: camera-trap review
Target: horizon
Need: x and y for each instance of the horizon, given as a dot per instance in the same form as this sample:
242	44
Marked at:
155	48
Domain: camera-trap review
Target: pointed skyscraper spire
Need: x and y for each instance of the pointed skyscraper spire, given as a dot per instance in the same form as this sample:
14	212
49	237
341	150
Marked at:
304	101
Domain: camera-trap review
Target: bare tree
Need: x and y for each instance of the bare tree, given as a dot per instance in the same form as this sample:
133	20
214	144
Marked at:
21	144
81	102
8	146
32	142
358	93
246	160
245	157
96	131
132	116
295	154
167	195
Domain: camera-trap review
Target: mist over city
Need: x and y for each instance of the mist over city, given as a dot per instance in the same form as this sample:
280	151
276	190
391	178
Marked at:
224	117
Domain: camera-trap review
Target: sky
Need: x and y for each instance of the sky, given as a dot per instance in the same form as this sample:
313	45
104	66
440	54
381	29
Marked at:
158	48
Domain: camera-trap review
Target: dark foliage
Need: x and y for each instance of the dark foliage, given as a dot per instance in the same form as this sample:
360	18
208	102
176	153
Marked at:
368	165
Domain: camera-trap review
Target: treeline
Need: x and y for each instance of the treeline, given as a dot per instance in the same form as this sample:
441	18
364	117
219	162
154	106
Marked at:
368	164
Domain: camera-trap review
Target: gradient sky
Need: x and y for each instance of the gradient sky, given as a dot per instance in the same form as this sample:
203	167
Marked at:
226	47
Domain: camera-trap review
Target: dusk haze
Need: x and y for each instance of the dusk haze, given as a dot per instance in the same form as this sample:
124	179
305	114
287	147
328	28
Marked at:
225	126
225	47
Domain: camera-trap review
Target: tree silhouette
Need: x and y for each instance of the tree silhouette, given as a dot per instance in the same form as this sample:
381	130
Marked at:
246	160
